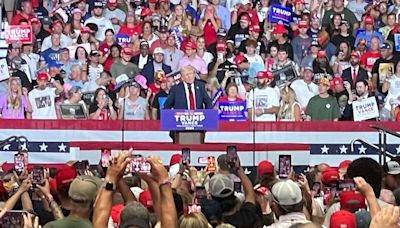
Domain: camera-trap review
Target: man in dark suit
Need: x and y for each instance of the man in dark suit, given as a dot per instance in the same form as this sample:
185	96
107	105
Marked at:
143	57
155	65
189	94
354	73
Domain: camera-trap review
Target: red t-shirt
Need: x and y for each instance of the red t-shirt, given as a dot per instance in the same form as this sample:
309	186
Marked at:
18	17
154	88
225	99
210	35
129	31
104	48
368	59
398	117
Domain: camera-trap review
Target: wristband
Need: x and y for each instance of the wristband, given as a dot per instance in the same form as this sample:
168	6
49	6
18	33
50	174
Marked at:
165	181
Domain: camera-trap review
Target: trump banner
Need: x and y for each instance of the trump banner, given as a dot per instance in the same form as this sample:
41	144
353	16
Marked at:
181	120
232	111
280	13
365	109
20	34
123	39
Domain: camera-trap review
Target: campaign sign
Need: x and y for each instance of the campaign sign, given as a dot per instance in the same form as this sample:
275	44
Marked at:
397	41
20	34
123	39
181	120
365	109
232	110
280	13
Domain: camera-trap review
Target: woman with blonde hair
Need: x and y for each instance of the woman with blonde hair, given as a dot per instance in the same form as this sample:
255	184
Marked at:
193	220
180	19
290	108
15	102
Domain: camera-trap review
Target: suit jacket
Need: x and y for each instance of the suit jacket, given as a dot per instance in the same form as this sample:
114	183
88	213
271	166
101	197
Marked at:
148	71
347	75
348	112
177	97
135	59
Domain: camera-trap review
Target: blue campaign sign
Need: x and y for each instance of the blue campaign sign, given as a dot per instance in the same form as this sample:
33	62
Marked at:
280	13
186	120
232	111
123	39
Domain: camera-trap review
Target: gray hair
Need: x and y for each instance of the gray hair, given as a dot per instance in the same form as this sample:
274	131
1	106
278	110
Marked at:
134	210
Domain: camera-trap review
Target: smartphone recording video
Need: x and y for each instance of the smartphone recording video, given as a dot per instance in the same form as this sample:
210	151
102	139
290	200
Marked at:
105	157
186	156
12	218
37	175
201	193
285	164
316	189
19	163
211	165
237	186
139	164
231	154
346	185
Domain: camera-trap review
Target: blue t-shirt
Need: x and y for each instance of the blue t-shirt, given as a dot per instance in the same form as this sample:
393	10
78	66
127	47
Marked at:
50	55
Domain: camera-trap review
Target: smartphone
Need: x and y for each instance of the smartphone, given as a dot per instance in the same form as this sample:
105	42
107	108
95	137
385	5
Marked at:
285	164
139	164
186	156
237	186
19	163
211	166
346	185
105	157
201	193
12	218
37	175
202	160
316	189
220	56
231	154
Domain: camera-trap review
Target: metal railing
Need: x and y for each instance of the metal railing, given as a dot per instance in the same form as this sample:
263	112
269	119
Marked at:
383	142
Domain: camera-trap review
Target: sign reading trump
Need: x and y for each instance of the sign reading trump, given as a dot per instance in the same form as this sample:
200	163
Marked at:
19	34
201	119
232	111
365	109
280	13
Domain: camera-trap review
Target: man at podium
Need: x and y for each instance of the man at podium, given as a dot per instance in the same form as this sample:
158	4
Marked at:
189	94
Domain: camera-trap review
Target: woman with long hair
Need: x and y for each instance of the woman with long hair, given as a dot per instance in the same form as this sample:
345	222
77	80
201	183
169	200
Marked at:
105	46
101	108
81	55
290	108
130	25
15	102
73	27
147	33
179	19
341	61
114	56
334	26
193	220
210	25
272	59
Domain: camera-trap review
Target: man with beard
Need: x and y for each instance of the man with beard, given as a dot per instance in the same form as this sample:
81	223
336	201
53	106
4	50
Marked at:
160	97
98	19
354	73
321	67
360	94
323	106
42	98
263	101
240	31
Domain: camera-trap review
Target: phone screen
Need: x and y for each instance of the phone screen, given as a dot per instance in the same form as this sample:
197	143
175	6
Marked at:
12	218
316	189
346	185
231	154
201	193
186	155
105	157
211	166
237	186
37	175
139	164
19	162
285	164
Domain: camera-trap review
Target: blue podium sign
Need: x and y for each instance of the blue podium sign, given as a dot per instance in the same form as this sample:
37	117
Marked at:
189	120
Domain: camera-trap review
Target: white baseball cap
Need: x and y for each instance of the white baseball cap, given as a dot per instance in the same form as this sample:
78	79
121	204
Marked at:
286	193
158	51
393	168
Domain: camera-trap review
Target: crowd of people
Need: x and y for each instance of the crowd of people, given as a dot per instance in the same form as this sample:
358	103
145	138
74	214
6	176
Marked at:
117	59
358	193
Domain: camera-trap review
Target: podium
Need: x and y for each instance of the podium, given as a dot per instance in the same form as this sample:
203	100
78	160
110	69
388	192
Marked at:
189	137
189	126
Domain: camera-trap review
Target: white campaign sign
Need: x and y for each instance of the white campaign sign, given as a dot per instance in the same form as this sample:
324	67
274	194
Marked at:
365	109
4	73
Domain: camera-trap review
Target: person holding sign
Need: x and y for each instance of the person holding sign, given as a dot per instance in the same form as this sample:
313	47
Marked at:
360	94
263	101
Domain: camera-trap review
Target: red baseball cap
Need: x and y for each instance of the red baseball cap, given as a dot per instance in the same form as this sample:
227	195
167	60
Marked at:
145	199
245	18
153	1
57	22
265	74
64	176
146	12
239	59
329	176
175	159
86	29
190	45
355	54
264	167
279	29
221	46
34	20
42	76
368	20
112	3
303	24
341	219
351	201
127	51
299	2
337	81
321	54
344	164
254	28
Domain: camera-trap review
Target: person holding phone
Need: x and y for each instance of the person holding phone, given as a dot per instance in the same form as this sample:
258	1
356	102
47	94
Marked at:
101	107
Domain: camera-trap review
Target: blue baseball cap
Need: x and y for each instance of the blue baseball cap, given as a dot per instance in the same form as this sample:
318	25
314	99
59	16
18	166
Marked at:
54	64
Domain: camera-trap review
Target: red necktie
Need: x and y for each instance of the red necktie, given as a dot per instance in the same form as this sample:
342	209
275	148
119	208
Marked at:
191	97
354	76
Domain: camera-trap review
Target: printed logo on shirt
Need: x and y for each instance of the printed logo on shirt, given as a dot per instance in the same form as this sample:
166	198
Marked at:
261	101
43	102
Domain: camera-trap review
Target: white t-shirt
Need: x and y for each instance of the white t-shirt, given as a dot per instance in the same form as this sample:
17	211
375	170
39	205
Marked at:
117	13
393	92
254	59
304	92
94	72
43	105
103	24
264	98
65	41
